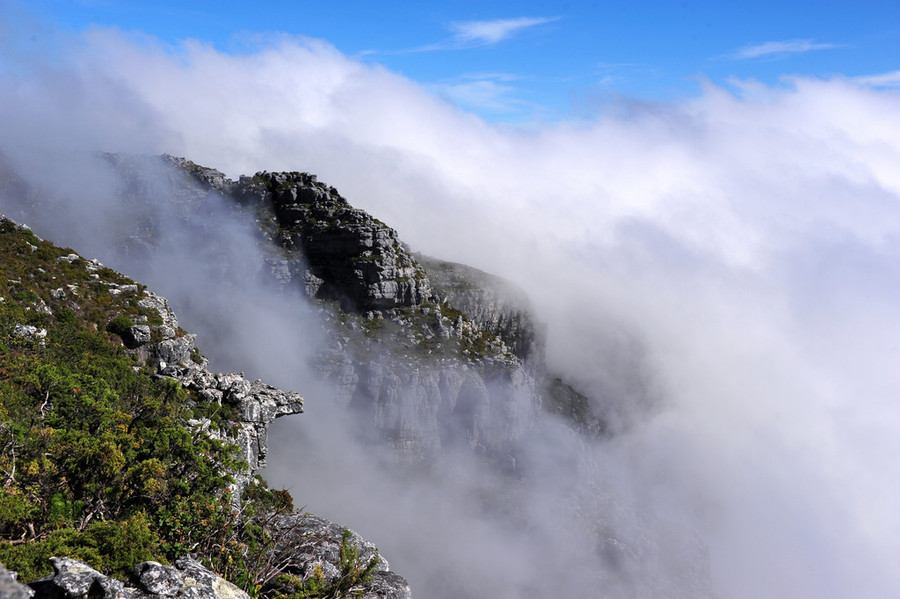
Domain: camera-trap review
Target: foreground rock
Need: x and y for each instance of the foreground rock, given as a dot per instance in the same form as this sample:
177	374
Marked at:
309	547
11	588
308	550
73	579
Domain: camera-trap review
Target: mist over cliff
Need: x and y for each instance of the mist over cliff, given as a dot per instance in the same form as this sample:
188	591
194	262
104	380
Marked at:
721	270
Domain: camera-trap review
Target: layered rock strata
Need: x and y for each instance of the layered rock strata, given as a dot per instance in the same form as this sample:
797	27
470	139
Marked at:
350	256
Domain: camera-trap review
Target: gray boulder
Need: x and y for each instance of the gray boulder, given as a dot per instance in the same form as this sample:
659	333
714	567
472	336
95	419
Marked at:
11	588
72	579
136	336
308	546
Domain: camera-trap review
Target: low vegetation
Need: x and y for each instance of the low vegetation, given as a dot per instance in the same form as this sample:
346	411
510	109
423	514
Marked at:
97	460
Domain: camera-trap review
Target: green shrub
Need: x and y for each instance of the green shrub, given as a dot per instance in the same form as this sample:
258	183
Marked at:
112	547
119	325
97	461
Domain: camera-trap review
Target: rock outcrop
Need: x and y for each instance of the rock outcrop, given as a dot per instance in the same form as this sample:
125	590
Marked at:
253	405
349	256
11	588
308	549
429	353
492	303
187	578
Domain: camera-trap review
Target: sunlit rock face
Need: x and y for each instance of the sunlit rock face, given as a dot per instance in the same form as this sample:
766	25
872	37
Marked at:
427	352
341	252
425	365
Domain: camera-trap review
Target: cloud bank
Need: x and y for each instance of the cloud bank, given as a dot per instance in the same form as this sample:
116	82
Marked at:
741	246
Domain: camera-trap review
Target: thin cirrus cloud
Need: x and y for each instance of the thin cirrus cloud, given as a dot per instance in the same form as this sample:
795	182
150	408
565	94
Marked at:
469	34
491	32
891	79
781	48
484	91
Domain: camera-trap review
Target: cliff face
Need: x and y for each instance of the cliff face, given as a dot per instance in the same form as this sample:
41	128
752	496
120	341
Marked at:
351	257
429	353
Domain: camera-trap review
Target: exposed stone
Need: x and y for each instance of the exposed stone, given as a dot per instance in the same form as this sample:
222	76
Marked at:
159	303
72	579
304	546
11	588
26	330
257	404
349	256
154	578
307	545
136	336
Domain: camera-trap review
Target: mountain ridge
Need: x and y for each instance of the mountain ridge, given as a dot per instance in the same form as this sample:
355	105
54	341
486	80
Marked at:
433	360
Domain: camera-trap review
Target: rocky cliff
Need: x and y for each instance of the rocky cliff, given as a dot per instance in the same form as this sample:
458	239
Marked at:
430	353
250	406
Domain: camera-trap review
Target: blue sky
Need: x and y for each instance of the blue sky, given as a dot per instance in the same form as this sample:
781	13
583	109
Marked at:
537	60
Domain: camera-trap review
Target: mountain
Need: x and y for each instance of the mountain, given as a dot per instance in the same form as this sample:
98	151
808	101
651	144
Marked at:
440	363
430	352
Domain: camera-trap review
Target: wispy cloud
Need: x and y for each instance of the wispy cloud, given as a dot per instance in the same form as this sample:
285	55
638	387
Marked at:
481	91
471	34
781	48
491	32
891	79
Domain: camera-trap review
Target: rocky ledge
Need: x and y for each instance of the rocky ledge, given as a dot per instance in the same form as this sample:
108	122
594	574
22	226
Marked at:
249	406
309	551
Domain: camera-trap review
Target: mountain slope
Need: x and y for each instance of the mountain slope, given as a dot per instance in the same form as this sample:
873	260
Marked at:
118	446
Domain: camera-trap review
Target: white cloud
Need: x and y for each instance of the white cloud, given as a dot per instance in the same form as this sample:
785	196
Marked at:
492	32
785	47
743	249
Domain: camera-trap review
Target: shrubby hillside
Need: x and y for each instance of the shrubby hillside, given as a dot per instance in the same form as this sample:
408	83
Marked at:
106	461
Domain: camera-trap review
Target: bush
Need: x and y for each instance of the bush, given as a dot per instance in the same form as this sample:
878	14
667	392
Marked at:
119	325
97	461
109	547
